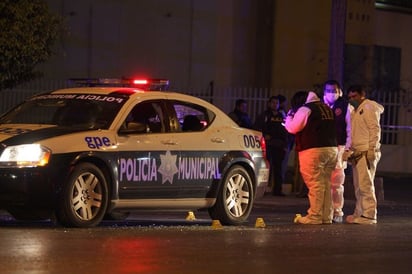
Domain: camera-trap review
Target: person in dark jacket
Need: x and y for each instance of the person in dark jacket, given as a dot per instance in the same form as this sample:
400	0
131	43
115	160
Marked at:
240	115
314	127
270	123
291	138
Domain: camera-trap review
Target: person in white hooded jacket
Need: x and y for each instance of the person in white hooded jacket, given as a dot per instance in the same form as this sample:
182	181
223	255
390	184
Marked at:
313	124
366	134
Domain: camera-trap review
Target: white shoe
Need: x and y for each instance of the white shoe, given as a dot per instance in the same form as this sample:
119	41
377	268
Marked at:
337	219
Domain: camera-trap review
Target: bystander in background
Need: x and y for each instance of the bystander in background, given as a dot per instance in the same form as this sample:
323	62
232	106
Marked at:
240	114
270	123
283	109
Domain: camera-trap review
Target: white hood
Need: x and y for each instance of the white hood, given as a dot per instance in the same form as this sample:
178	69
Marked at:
312	97
373	106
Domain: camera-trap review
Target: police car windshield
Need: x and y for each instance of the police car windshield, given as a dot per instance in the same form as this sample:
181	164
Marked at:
70	110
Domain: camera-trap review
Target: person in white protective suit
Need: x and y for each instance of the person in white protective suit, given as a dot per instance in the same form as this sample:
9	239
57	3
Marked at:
333	97
313	124
366	133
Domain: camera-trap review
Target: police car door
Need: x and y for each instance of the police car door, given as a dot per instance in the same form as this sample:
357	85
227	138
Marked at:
147	163
197	164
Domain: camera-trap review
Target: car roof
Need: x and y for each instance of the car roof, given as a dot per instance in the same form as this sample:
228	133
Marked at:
131	92
137	93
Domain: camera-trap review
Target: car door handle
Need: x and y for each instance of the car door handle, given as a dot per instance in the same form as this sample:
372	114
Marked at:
169	142
218	140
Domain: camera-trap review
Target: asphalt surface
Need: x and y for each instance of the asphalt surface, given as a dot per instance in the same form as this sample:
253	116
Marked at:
394	199
168	243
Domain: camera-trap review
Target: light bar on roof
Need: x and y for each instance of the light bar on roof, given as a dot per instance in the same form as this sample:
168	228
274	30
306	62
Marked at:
146	84
140	82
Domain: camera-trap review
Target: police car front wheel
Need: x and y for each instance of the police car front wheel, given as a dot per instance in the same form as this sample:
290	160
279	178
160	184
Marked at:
84	197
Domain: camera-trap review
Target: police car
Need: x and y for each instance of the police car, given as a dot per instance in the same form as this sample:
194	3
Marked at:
82	154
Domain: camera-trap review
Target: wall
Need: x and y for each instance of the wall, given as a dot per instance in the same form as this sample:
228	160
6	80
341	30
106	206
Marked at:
192	42
173	39
301	39
390	31
396	159
270	43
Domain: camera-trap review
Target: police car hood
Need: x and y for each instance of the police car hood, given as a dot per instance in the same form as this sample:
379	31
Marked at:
15	134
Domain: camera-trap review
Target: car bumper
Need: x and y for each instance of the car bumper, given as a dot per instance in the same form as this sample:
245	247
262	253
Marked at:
262	182
35	187
25	187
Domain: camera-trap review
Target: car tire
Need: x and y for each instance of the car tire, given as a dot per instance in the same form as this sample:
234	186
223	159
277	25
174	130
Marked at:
234	200
84	197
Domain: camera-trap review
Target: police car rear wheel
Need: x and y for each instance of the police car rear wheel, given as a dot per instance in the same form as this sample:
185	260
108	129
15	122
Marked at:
235	198
84	197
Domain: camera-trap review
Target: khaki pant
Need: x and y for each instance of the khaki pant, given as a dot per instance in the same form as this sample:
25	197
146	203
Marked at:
316	166
363	184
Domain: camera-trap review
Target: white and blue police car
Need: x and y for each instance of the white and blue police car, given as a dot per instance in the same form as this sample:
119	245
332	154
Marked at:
81	154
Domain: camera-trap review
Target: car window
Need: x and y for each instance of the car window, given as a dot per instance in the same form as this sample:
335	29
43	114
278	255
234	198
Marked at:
65	110
77	113
192	117
147	117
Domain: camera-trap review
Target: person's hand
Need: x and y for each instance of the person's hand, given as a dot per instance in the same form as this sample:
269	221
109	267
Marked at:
346	154
371	154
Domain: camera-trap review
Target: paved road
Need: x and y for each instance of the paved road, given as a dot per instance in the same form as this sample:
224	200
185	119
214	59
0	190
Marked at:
167	243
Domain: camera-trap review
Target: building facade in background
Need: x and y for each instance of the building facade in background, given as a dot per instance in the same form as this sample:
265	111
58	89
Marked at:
277	44
212	48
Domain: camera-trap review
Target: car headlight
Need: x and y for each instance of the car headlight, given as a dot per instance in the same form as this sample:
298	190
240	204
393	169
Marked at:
30	155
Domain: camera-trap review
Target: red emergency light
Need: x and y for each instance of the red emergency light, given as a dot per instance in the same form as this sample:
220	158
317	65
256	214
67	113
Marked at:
140	82
145	84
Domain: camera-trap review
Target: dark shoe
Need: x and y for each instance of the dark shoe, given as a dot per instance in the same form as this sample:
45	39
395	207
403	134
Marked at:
278	194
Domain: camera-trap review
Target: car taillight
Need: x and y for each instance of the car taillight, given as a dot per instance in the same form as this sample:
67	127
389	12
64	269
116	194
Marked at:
263	146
